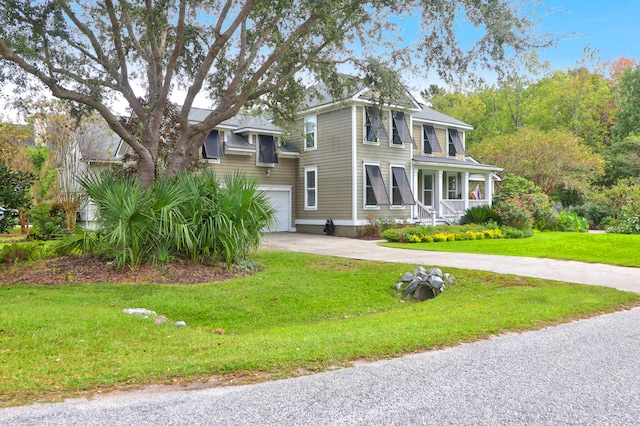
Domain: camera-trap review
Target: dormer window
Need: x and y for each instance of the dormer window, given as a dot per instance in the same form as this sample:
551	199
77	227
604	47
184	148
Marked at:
212	148
430	143
455	144
267	150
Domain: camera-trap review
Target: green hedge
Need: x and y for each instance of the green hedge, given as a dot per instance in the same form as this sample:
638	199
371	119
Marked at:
429	234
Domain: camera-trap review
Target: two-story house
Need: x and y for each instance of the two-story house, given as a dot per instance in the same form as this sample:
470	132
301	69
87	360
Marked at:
354	159
401	160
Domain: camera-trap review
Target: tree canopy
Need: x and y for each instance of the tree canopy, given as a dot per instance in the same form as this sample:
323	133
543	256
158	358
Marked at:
552	160
236	53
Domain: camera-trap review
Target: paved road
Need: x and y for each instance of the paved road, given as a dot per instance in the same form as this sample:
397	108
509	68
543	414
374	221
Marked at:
580	373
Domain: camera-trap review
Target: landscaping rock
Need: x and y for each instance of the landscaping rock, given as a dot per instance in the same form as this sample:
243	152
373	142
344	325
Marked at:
413	285
424	284
419	270
407	277
161	319
138	311
180	324
436	282
435	272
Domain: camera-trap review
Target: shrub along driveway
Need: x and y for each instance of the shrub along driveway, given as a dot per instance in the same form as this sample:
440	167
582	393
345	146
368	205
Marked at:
621	278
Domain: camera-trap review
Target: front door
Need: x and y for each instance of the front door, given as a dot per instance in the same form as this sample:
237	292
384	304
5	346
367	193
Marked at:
427	189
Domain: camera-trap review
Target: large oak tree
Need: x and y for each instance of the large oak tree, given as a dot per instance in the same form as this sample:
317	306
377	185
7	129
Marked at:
237	53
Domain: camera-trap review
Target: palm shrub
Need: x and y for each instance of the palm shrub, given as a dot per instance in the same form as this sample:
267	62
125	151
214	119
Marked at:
124	216
479	215
190	217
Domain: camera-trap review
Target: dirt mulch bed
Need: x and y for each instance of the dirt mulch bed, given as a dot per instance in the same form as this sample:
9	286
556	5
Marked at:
90	270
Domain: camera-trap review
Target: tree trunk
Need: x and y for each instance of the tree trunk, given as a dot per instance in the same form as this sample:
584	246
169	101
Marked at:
146	170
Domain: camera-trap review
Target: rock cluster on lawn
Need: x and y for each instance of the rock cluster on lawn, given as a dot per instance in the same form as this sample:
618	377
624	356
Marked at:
146	312
424	284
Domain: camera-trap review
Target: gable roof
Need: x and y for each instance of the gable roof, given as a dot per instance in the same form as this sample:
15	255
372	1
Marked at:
240	123
353	90
431	116
97	142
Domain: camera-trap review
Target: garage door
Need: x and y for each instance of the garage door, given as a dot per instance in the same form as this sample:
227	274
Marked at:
280	202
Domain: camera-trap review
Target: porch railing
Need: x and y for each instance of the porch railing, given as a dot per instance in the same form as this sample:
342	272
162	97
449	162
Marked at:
451	212
426	214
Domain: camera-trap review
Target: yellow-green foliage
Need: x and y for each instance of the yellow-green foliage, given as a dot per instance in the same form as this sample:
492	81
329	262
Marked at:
428	234
414	239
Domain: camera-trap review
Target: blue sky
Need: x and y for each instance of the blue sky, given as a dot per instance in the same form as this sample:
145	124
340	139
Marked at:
611	26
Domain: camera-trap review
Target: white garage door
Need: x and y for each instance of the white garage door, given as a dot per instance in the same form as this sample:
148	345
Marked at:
280	202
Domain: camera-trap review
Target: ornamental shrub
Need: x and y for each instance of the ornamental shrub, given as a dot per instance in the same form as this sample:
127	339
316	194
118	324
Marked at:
571	222
513	213
545	218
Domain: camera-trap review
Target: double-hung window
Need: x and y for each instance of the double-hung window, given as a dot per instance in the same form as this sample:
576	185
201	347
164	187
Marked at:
455	144
212	148
401	194
375	192
310	132
267	150
373	126
311	188
430	142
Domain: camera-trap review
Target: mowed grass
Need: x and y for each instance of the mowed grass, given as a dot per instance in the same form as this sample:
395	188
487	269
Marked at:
300	312
612	249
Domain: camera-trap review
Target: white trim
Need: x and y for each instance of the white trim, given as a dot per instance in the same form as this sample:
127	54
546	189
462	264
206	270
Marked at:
257	130
364	128
443	124
366	206
314	119
210	160
313	169
394	206
354	165
320	222
391	124
282	188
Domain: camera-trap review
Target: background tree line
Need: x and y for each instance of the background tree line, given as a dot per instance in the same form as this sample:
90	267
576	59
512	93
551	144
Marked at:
575	133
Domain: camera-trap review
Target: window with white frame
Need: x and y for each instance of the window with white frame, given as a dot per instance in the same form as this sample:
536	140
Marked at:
452	186
401	194
311	188
212	147
267	153
400	130
373	126
375	191
454	145
430	142
310	132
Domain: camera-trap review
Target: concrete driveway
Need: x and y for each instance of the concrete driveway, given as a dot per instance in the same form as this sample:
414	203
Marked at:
622	278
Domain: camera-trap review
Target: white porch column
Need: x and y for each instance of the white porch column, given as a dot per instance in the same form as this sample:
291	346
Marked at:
414	184
437	193
488	188
465	190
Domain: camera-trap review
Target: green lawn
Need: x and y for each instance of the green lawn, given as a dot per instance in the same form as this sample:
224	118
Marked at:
613	249
301	312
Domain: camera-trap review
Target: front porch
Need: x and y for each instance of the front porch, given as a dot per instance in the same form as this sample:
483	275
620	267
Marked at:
443	196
